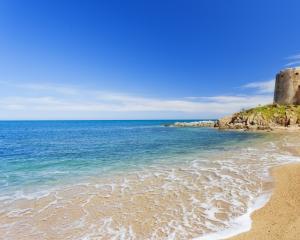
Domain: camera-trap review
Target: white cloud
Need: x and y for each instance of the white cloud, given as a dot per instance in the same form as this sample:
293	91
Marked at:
70	102
296	56
292	64
66	90
262	87
294	60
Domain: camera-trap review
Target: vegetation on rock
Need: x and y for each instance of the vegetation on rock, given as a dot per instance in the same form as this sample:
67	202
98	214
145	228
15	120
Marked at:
263	118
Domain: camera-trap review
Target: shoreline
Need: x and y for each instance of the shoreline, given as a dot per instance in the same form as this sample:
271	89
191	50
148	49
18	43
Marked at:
279	218
168	190
240	224
213	125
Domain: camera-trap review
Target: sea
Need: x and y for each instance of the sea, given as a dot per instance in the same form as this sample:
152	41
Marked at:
133	179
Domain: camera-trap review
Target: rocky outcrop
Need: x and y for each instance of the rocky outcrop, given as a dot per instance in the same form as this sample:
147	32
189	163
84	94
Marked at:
252	122
269	117
263	118
193	124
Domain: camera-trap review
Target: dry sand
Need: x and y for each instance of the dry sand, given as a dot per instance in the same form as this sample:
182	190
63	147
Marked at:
279	219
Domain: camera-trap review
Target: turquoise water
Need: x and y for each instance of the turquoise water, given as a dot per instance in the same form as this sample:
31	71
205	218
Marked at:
37	153
132	179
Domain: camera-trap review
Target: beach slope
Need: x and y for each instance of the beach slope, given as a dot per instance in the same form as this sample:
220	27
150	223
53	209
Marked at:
280	217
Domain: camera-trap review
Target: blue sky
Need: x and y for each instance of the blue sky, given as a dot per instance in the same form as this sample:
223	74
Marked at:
142	59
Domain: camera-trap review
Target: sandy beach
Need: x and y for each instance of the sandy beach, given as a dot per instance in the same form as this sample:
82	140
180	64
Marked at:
181	196
280	217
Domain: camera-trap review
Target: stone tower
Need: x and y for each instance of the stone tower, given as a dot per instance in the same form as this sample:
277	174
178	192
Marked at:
287	86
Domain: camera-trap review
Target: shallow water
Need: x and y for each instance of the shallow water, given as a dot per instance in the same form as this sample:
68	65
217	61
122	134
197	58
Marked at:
131	179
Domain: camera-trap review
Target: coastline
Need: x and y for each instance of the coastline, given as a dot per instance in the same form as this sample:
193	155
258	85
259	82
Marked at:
280	217
203	187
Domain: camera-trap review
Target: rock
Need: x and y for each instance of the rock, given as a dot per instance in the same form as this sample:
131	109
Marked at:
291	119
193	124
250	119
224	122
263	118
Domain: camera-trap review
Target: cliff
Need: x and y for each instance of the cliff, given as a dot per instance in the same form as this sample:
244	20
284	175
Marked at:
267	117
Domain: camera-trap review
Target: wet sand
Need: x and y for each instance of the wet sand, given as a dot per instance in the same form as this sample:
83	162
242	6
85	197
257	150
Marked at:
280	217
186	200
182	201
